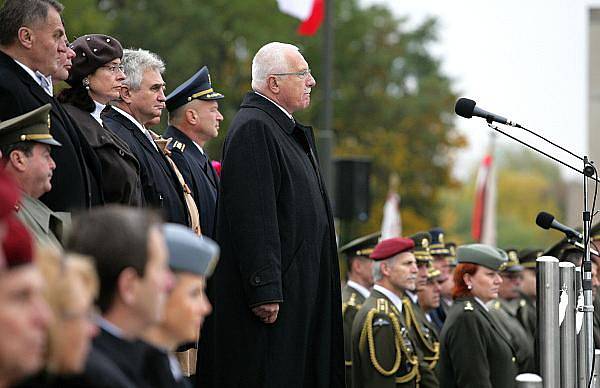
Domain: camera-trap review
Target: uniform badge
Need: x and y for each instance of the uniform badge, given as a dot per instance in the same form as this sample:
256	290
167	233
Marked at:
469	306
381	322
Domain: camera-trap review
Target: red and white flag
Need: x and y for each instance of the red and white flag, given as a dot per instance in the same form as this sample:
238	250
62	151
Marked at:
310	12
483	222
391	224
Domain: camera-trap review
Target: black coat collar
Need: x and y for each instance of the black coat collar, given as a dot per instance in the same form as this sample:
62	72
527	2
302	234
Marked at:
253	100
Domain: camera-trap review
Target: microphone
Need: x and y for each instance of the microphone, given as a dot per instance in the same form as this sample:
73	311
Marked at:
546	221
466	108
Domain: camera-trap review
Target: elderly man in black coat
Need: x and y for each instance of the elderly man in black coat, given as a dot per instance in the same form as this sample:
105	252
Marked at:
32	40
277	318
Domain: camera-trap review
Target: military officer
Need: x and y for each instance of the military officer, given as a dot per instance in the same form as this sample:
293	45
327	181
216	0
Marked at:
429	298
443	259
527	313
383	351
357	288
194	119
26	143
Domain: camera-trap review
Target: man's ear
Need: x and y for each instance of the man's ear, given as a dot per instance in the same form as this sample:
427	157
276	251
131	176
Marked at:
125	94
126	285
18	160
190	116
25	37
273	84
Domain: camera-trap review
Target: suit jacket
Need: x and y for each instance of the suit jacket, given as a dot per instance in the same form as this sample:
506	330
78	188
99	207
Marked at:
160	186
199	175
157	370
474	352
77	179
120	168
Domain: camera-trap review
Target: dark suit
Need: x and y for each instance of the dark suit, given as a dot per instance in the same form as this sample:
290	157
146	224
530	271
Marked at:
160	186
157	370
199	175
120	169
77	179
474	352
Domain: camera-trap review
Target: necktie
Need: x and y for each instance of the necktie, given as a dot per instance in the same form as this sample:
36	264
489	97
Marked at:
44	83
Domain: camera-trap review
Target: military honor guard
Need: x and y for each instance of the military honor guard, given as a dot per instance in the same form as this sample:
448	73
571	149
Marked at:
26	142
474	352
194	119
383	349
357	288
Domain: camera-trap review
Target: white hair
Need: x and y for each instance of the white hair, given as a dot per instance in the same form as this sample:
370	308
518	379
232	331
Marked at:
271	58
377	274
136	62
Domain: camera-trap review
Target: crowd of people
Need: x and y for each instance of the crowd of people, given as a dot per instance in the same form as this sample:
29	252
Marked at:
130	259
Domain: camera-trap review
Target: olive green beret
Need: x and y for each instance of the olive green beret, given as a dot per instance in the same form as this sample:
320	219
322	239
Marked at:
482	254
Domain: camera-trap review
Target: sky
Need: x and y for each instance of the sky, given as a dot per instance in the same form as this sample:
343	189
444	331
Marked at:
523	59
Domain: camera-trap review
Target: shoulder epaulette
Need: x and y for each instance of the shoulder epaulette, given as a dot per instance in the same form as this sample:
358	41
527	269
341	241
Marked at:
497	305
469	306
383	306
178	146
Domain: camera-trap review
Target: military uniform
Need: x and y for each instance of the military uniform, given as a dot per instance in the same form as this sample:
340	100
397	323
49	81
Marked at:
383	352
46	225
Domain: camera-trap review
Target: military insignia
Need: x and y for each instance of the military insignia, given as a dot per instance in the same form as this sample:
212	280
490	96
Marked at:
512	255
502	267
441	238
382	306
425	243
179	145
381	322
522	303
48	121
469	306
406	341
497	305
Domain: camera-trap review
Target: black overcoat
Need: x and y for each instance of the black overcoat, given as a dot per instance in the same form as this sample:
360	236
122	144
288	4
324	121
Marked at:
120	169
77	179
199	175
276	232
473	351
160	187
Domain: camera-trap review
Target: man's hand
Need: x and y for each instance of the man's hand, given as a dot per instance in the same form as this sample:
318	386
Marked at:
267	313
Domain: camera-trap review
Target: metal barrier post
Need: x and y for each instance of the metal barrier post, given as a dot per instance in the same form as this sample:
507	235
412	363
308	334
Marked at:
547	320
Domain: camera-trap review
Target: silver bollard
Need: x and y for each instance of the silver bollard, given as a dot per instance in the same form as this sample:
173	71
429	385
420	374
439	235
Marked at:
596	380
529	380
568	337
581	367
547	320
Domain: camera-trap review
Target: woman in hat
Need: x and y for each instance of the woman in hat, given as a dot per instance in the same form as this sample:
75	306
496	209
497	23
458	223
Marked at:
474	352
96	77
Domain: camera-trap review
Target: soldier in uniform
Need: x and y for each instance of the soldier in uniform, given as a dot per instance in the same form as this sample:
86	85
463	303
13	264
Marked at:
474	353
357	288
383	350
429	299
194	119
504	310
526	312
26	143
443	257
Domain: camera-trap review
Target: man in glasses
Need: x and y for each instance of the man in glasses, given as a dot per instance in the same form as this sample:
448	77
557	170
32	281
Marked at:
280	308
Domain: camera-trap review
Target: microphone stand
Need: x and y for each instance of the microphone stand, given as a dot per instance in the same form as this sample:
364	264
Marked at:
587	330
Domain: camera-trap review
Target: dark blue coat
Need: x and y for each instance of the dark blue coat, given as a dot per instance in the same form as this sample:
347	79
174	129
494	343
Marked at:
199	175
160	187
76	181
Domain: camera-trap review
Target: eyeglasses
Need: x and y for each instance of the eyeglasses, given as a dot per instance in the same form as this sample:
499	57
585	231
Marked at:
114	68
301	74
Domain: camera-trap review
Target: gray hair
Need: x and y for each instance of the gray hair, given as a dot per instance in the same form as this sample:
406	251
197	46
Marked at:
18	13
271	58
377	274
136	62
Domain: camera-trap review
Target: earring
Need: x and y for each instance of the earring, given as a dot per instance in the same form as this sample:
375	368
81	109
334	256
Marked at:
469	286
86	83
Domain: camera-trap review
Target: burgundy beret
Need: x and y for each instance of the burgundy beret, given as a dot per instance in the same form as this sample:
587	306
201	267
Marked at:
91	52
9	194
391	247
17	244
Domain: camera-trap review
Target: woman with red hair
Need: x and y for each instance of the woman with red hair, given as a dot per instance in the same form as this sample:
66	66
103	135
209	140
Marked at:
474	352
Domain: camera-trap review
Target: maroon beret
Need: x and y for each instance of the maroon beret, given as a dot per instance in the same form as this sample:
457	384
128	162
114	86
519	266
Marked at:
17	244
391	247
9	194
91	52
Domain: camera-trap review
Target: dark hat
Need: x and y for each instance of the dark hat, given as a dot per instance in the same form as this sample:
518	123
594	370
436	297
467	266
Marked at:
421	250
91	52
31	126
481	254
197	87
529	256
189	252
362	246
17	244
391	247
437	246
513	264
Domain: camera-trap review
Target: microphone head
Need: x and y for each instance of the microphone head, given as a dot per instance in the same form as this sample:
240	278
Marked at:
544	220
464	107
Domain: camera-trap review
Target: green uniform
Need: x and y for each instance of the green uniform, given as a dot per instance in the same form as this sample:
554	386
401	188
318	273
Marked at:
473	351
523	343
527	314
352	301
383	353
46	225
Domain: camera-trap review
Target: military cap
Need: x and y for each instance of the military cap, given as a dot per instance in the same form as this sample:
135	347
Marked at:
197	87
31	126
451	257
529	256
482	254
391	247
362	246
433	272
421	249
513	264
189	252
437	246
91	52
17	244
